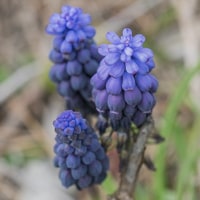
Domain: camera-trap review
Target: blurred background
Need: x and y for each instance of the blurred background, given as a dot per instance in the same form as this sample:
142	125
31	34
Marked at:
29	102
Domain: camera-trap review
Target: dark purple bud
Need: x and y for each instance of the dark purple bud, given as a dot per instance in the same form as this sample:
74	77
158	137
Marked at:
88	158
61	73
154	83
81	35
128	82
84	181
143	67
85	19
101	100
78	82
114	85
65	89
80	151
66	47
89	31
52	74
139	118
64	150
95	168
56	56
59	162
116	103
79	172
95	145
66	178
97	82
71	37
126	123
84	55
129	111
99	179
150	64
144	82
132	97
57	42
147	103
73	68
91	67
100	154
73	161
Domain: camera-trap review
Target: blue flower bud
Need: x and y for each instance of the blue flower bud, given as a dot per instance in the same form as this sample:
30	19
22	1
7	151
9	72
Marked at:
74	68
100	154
129	111
97	82
57	42
91	67
128	82
65	89
66	48
72	161
66	177
56	56
88	158
147	103
84	182
114	85
139	118
78	82
116	102
144	82
95	168
133	97
84	56
79	172
101	100
95	145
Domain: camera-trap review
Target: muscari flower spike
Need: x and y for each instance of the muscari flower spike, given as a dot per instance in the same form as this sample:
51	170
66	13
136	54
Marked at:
79	155
74	54
123	87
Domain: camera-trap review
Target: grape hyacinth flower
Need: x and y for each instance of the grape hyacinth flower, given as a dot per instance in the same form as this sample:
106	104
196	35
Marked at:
123	88
79	155
74	55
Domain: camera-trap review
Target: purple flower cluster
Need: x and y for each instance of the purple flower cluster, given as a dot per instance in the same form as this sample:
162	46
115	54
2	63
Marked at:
74	55
123	85
79	155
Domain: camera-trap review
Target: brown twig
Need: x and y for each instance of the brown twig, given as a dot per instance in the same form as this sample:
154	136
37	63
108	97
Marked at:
136	155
